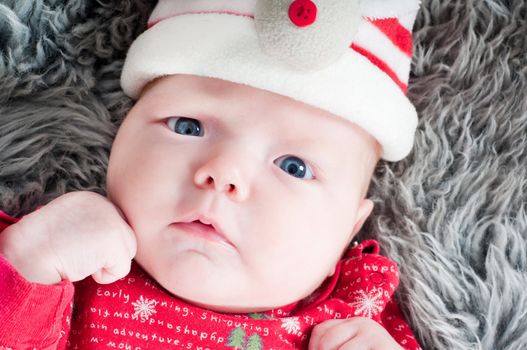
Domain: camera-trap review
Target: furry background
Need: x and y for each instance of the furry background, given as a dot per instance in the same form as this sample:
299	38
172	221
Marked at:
453	214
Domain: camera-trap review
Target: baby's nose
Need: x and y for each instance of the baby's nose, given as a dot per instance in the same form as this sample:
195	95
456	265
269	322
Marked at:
221	174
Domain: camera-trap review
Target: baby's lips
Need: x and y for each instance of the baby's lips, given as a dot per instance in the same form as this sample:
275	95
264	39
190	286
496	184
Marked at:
207	219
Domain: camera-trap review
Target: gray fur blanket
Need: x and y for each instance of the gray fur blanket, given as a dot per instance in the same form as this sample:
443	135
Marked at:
453	214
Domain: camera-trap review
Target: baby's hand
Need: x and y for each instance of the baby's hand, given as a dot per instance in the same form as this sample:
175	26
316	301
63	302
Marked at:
74	236
351	334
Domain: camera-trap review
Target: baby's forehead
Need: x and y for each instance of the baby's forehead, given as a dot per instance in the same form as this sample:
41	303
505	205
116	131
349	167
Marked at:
187	90
246	108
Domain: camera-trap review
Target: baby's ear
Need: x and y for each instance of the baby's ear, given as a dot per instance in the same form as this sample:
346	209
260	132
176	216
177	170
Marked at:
364	211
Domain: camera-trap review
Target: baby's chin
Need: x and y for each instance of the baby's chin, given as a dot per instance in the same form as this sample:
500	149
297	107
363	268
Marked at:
237	309
230	293
241	303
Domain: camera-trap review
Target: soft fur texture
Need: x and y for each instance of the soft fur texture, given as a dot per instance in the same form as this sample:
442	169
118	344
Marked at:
453	214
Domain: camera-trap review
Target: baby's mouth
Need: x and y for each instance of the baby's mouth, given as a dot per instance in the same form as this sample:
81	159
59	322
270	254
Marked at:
202	230
197	222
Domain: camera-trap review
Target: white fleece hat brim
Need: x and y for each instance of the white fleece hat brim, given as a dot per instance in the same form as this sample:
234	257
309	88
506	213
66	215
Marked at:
226	47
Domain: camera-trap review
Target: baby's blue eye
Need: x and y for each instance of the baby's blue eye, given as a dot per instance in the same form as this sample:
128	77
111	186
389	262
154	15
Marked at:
294	166
185	126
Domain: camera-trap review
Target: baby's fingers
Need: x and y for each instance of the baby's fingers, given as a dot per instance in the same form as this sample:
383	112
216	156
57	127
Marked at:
119	259
365	342
112	273
358	343
331	335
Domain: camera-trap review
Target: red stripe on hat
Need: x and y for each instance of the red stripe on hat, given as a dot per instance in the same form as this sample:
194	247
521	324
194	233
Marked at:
397	34
381	65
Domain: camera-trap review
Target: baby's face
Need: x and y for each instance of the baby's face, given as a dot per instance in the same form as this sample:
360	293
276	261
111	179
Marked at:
283	182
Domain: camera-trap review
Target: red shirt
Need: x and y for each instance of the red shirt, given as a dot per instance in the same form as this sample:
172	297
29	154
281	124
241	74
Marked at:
137	313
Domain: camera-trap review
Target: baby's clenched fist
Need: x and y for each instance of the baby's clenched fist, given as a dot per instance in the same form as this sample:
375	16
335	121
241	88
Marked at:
358	333
74	236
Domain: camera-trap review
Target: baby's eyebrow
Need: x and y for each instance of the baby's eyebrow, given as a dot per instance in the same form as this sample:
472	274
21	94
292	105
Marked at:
311	139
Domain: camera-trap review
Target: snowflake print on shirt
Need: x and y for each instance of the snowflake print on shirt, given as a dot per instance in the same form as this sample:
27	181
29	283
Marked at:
144	308
105	316
368	304
291	325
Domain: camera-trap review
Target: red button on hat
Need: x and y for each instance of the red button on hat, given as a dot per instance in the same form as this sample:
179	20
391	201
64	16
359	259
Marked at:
302	12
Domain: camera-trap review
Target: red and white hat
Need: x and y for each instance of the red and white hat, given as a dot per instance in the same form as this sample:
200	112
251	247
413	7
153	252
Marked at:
348	57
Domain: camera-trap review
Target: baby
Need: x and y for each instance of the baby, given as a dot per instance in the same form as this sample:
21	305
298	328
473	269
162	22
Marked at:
236	183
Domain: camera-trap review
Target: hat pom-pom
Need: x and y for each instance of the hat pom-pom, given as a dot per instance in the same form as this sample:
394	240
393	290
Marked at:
318	38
